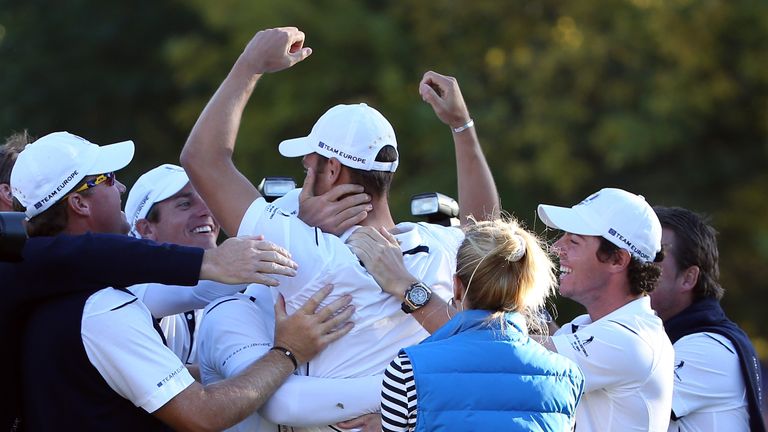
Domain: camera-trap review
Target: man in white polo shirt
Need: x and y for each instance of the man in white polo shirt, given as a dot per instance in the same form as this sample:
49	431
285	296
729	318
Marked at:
348	144
607	251
717	372
163	206
95	351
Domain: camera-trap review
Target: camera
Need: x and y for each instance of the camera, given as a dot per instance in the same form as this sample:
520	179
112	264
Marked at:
13	235
436	207
273	188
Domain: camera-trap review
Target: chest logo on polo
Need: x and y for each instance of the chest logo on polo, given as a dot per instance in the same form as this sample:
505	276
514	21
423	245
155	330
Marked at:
273	210
678	367
580	345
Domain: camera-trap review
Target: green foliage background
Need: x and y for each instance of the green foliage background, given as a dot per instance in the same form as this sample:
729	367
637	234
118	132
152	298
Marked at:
668	99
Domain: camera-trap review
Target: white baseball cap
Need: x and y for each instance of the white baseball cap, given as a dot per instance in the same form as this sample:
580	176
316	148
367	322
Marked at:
623	218
353	134
152	187
50	167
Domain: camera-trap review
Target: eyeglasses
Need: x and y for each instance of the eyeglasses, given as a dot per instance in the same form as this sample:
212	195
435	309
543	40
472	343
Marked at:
108	178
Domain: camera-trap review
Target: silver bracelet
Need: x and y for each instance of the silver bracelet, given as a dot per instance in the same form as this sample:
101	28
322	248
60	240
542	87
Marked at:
465	126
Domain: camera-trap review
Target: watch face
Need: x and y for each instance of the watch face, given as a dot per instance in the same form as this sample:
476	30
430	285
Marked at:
418	295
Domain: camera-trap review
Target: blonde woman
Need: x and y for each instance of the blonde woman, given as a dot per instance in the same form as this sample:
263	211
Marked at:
480	370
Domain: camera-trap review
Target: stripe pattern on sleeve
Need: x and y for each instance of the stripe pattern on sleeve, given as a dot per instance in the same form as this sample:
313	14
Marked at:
398	396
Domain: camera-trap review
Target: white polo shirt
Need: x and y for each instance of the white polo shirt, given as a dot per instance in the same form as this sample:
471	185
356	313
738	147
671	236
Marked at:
180	331
626	358
709	394
181	310
238	330
381	327
125	348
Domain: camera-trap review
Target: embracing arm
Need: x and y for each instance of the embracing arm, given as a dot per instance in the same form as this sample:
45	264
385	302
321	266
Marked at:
54	266
304	401
112	260
478	196
224	403
207	154
381	255
165	300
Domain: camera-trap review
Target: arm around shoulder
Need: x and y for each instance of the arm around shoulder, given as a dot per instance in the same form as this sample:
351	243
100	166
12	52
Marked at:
222	404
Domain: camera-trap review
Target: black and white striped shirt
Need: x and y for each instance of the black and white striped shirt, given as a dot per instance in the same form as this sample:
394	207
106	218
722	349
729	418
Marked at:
398	396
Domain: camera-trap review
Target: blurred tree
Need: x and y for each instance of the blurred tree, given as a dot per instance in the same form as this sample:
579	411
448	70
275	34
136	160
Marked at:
96	69
666	99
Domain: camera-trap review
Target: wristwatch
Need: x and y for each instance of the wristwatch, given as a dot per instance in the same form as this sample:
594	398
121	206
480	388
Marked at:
416	296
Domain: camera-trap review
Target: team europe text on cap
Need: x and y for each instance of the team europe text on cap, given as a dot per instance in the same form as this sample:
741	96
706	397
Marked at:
623	218
353	134
50	167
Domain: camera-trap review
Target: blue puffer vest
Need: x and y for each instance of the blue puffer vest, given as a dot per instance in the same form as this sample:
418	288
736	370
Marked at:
471	376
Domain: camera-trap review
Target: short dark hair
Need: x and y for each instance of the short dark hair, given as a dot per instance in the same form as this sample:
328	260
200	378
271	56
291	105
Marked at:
375	183
696	245
53	221
153	215
9	151
643	276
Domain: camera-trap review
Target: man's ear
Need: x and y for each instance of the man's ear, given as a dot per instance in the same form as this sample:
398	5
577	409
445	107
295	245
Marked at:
620	260
6	196
333	170
689	278
78	205
144	228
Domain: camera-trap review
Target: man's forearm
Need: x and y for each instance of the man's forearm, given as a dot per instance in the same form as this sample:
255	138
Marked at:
259	382
225	403
216	129
306	401
477	190
112	260
207	154
432	315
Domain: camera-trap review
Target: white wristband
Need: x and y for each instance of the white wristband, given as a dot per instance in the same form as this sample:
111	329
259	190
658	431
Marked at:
465	126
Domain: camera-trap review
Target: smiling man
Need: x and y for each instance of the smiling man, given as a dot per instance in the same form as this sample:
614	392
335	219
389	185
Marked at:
163	206
607	251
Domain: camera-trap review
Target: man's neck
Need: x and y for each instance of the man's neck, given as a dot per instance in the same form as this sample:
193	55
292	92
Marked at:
380	216
673	310
76	228
615	298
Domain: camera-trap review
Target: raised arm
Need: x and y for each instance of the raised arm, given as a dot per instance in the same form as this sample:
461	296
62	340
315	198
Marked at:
478	196
207	154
